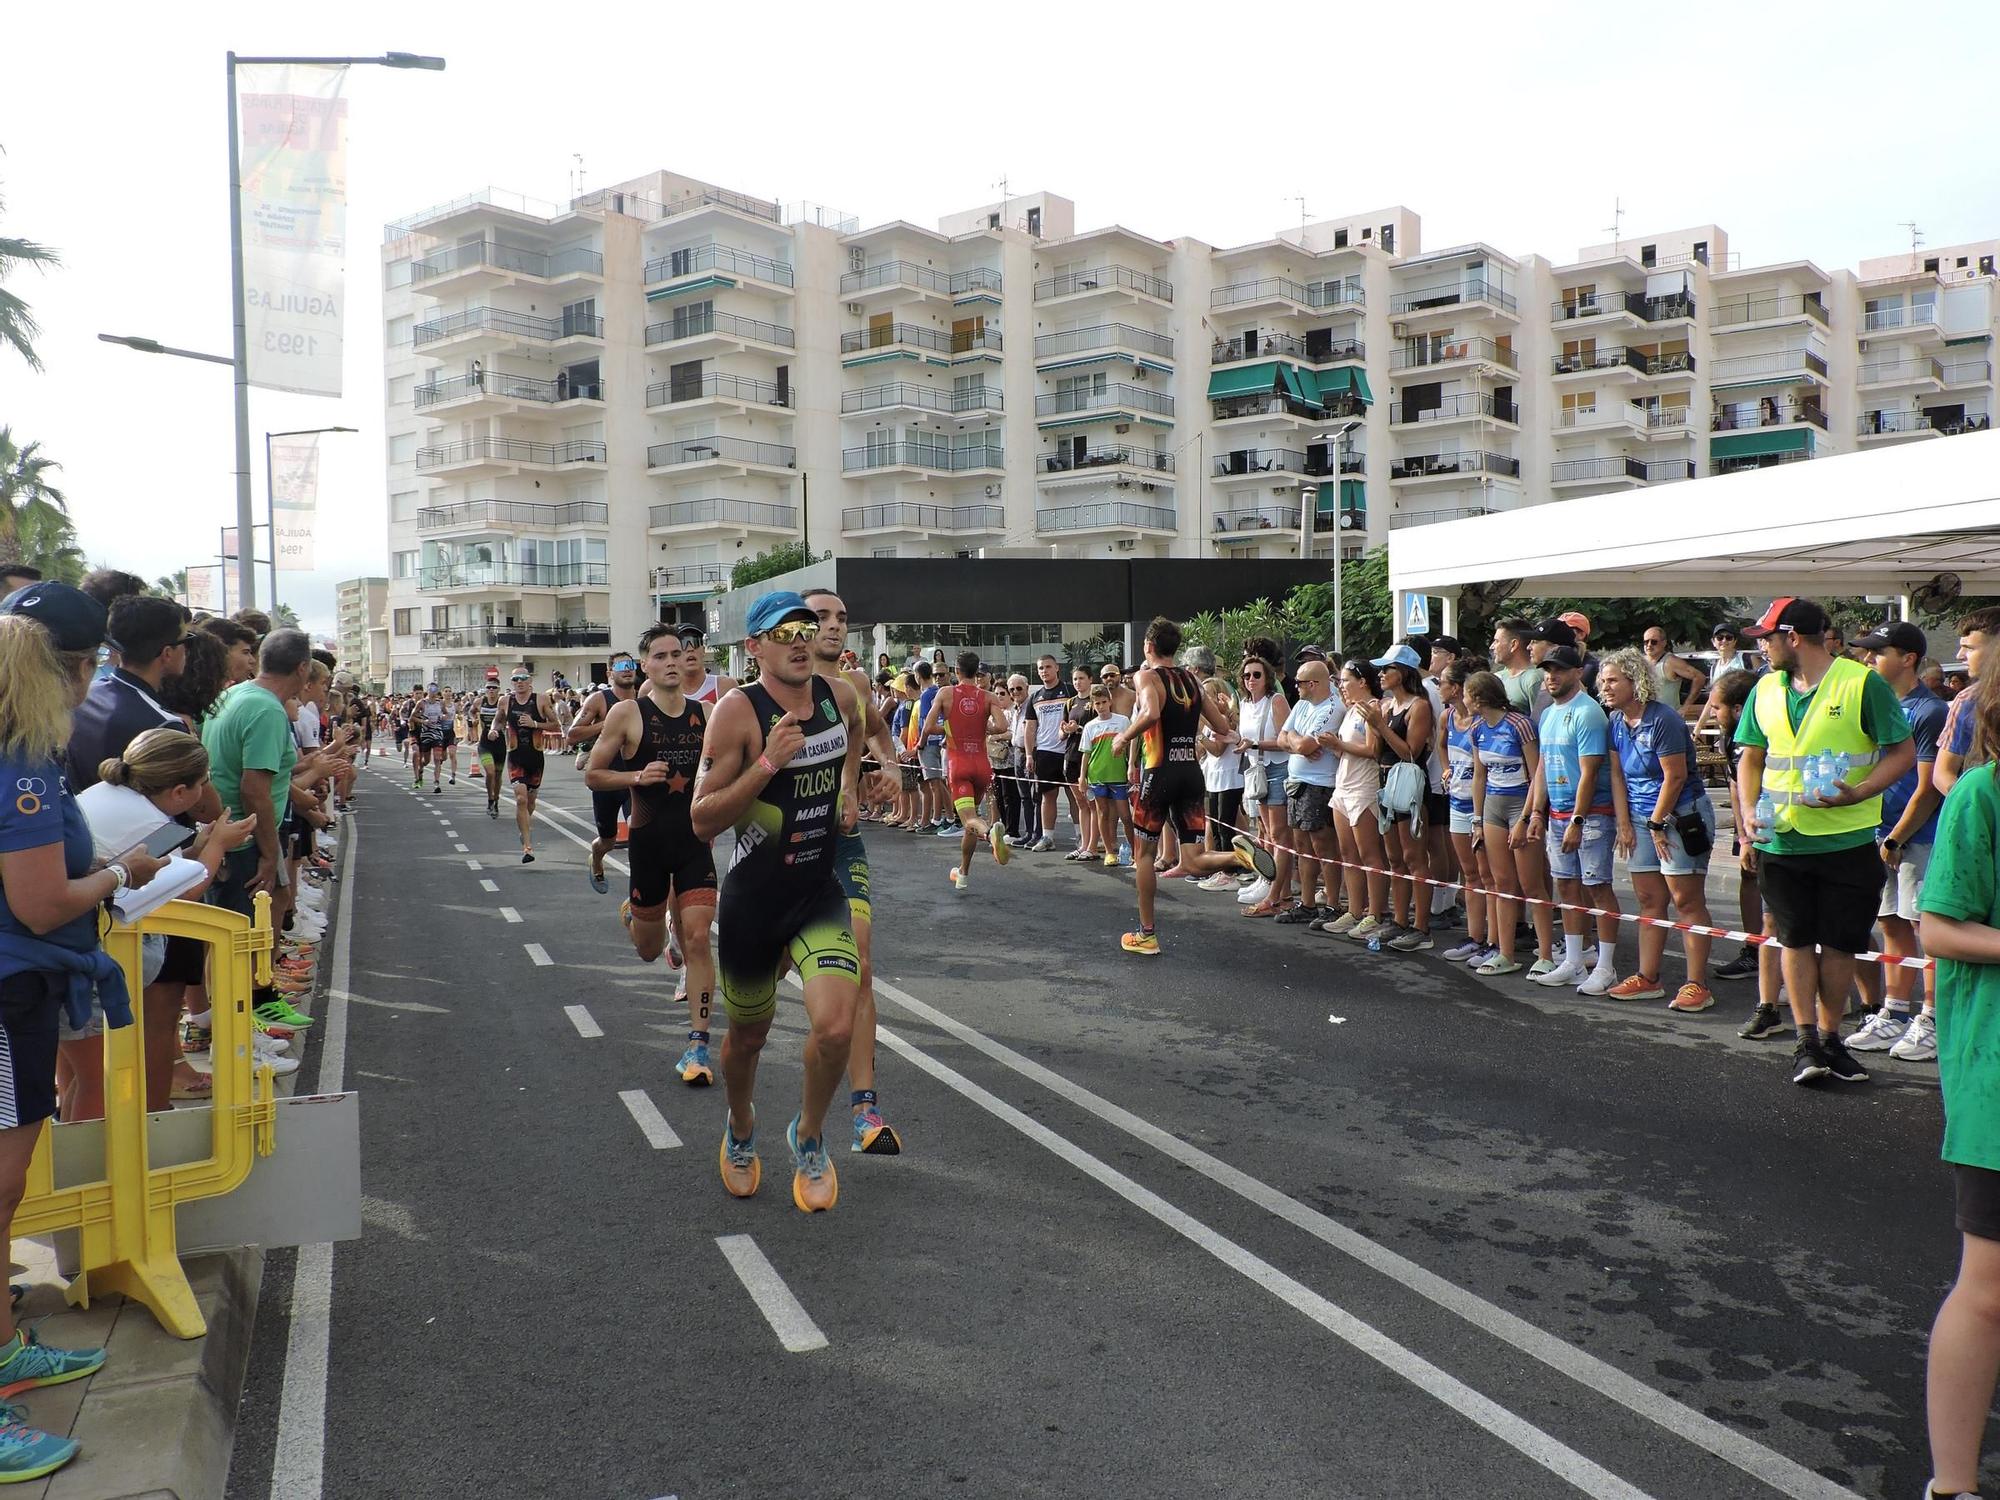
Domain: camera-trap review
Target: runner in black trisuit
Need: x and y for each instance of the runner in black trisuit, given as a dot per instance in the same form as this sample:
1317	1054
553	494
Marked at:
606	808
485	725
780	766
522	718
651	747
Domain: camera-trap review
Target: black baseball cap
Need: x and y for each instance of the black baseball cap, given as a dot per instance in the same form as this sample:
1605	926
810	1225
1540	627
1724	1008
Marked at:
1447	643
1311	653
1555	632
1899	635
690	634
1800	616
1724	628
73	619
1564	656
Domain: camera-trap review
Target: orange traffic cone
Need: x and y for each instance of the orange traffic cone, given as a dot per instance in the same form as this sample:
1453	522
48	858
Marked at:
624	833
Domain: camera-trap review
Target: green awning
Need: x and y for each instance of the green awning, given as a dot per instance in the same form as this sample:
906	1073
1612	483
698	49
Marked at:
1361	387
1301	390
1242	380
1334	382
1977	338
1351	496
1756	444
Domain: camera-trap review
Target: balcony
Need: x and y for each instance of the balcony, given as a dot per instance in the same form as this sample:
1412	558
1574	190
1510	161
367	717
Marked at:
1309	349
1494	503
694	202
891	279
1749	312
447	577
1579	307
1780	367
1919	318
928	458
1769	413
687	580
497	328
1878	424
712	452
712	267
1910	371
1084	346
1425	466
913	340
1265	463
1239	522
1614	361
1463	406
1281	294
503	454
489	263
1441	353
560	635
1112	280
901	395
1126	465
1106	516
721	390
512	515
1969	372
1610	470
722	515
496	393
910	516
718	331
1745	463
1471	291
1111	402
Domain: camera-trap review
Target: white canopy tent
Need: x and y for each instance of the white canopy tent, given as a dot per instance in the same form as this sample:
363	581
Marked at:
1883	522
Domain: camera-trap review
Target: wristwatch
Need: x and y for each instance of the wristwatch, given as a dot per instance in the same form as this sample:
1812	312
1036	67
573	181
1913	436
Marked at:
1657	827
1892	845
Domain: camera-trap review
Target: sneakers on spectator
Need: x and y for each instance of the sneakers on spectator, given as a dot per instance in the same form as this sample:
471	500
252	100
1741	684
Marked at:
1369	926
1298	915
1810	1063
1341	925
1478	960
1764	1021
1323	918
1880	1031
1411	941
1743	966
1919	1043
1250	895
1465	950
279	1012
26	1364
27	1452
1219	881
1635	987
1691	999
1141	942
1495	965
1600	981
1845	1067
1556	976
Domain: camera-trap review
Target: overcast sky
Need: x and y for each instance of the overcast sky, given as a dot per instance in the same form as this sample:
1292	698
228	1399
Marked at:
1804	131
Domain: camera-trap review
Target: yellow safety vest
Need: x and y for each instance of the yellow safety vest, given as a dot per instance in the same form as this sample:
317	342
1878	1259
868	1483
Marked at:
1832	724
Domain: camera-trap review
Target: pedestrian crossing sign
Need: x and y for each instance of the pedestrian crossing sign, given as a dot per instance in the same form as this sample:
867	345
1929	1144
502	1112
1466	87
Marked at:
1417	615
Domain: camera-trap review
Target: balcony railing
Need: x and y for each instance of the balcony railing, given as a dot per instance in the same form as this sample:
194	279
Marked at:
1679	363
1106	515
1429	299
1577	470
679	263
486	575
1768	414
977	279
1119	456
1343	292
1272	404
1581	306
1100	278
1728	314
719	512
1419	353
511	451
895	273
1918	368
1878	423
938	340
911	515
1969	372
922	398
721	387
499	383
1660	417
685	576
513	513
732	450
1285	346
1257	518
1425	465
1104	336
1780	362
1759	461
702	324
579	634
1268	461
513	324
933	456
1112	396
1922	315
510	258
1462	404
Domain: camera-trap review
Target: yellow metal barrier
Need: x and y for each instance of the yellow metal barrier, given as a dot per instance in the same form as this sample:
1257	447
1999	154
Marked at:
125	1220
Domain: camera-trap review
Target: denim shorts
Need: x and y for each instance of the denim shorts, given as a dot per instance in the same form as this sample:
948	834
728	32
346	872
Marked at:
1591	863
1462	822
1110	791
1646	854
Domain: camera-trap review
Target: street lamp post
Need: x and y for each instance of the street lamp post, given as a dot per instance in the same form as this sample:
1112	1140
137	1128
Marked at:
246	567
1338	438
270	498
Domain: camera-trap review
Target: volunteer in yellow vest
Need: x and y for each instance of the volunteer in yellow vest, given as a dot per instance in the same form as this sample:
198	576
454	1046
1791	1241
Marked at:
1816	865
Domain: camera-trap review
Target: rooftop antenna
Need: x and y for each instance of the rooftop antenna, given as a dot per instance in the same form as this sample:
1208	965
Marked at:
1302	213
1916	240
576	175
1617	224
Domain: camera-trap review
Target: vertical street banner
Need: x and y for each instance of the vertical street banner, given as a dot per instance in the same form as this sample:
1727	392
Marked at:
294	501
294	207
203	591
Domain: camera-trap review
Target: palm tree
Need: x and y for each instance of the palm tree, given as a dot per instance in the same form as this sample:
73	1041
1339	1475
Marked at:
25	490
49	545
284	617
17	325
174	585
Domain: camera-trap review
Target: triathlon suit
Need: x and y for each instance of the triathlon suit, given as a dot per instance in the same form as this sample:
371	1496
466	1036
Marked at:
850	864
710	690
524	761
667	860
1170	780
966	767
489	750
607	807
781	896
430	726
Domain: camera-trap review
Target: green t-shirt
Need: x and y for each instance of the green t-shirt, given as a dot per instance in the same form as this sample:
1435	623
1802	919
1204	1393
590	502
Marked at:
1523	688
248	731
1963	882
1104	766
1882	719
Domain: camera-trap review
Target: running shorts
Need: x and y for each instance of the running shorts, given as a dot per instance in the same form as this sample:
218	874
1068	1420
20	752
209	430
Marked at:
1824	899
605	809
850	868
1172	793
524	767
970	780
491	752
1049	769
1978	1200
31	1006
755	937
664	868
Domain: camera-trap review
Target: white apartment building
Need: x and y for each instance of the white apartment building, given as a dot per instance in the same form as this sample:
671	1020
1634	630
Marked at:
361	637
595	411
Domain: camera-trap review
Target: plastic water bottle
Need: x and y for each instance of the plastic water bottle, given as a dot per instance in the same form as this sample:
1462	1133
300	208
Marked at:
1766	815
1841	765
1375	941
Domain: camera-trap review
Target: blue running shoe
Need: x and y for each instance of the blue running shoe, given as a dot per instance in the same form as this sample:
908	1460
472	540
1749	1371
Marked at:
27	1452
874	1135
694	1067
814	1185
26	1363
742	1170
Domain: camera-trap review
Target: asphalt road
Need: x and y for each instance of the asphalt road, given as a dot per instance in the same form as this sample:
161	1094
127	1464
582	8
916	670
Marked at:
1266	1214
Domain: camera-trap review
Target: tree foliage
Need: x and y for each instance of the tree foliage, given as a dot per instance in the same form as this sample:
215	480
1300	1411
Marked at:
48	543
18	327
1621	622
27	493
783	558
284	617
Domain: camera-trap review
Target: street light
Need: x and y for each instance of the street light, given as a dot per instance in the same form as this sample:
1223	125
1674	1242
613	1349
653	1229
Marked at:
270	500
1307	508
246	569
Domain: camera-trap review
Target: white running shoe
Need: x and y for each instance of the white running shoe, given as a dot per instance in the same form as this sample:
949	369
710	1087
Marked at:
1919	1044
1254	892
1598	981
1219	881
1880	1032
1564	973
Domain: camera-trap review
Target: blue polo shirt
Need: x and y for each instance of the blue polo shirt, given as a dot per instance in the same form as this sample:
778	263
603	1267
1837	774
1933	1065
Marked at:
117	710
1569	732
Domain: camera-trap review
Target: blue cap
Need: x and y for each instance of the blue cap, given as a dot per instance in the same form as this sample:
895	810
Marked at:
1400	656
73	619
775	609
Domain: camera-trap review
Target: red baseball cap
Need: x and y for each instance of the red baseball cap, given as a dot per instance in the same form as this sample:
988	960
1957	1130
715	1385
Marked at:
1789	613
1577	620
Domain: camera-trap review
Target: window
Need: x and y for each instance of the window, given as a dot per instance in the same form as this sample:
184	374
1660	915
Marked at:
440	617
403	505
400	387
399	329
403	565
1367	233
1985	265
992	222
1649	255
1035	222
1931	264
1388	236
404	622
1340	239
1961	263
402	447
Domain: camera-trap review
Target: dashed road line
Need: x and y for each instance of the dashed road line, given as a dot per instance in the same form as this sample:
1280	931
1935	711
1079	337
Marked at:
646	1115
491	886
787	1317
473	864
539	954
580	1019
460	848
510	914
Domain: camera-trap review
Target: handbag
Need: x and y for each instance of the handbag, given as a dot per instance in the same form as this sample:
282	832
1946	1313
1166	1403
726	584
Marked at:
1403	791
1256	779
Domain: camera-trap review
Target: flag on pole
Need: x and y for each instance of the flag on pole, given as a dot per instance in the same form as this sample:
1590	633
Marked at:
294	207
202	588
294	500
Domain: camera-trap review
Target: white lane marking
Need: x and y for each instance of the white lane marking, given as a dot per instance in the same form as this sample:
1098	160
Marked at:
450	833
489	886
547	812
1526	1438
788	1319
1773	1468
509	913
580	1019
298	1459
459	847
539	954
652	1124
473	864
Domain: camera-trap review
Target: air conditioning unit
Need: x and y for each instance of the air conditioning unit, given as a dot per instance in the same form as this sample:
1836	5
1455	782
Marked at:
854	308
1400	330
1138	372
1148	488
992	490
1122	427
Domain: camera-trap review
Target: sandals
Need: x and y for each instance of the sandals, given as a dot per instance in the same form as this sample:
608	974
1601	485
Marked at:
200	1087
1262	909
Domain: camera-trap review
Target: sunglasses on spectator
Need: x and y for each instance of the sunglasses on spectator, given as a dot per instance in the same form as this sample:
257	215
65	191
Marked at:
1253	674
